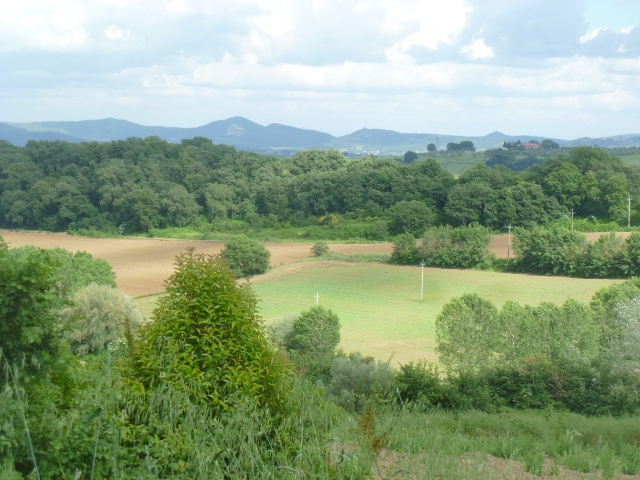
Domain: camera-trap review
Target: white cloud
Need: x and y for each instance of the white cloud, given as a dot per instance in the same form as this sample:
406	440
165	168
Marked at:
627	30
114	33
477	50
587	37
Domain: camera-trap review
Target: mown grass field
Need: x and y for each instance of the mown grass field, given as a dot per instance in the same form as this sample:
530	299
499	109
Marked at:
631	160
379	305
457	163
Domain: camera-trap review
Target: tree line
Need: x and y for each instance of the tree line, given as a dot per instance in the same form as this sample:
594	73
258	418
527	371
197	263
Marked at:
137	185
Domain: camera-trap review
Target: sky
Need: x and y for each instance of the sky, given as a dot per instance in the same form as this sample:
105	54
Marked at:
556	68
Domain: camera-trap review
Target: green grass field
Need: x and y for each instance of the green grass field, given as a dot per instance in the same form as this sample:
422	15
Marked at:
632	160
379	305
457	163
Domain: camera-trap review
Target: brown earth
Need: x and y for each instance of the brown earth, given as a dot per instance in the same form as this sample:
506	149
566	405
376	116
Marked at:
143	264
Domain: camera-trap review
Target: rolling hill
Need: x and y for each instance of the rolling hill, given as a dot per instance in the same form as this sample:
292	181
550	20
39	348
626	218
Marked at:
274	138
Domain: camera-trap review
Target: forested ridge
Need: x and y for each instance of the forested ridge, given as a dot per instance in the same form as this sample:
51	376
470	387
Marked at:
137	185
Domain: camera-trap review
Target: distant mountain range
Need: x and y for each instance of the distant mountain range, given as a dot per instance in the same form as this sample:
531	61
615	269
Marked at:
275	138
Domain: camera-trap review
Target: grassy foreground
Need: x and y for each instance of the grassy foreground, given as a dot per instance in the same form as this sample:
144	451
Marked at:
379	305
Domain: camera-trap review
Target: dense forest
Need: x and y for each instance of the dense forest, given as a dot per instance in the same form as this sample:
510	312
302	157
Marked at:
138	185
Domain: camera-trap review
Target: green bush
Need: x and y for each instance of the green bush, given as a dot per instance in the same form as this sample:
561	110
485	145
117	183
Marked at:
207	340
555	250
246	257
357	381
529	386
320	248
75	270
461	247
422	383
405	250
312	342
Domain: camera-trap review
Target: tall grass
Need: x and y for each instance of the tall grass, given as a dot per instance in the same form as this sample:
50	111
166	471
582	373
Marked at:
105	434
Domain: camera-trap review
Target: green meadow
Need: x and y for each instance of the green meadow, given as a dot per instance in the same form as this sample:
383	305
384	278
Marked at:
379	305
631	160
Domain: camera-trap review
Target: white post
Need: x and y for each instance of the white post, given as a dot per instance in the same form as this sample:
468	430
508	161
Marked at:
317	297
422	281
572	212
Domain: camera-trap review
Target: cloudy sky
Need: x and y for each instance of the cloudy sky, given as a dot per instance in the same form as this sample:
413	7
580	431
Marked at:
556	68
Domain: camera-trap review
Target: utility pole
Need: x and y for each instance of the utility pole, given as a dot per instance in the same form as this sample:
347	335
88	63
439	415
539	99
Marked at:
317	298
572	212
422	281
629	213
509	244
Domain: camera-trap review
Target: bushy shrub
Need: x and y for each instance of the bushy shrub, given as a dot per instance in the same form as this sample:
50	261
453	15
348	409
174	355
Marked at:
631	255
529	386
246	257
320	248
551	251
461	247
357	380
206	340
447	247
556	250
405	250
99	315
422	383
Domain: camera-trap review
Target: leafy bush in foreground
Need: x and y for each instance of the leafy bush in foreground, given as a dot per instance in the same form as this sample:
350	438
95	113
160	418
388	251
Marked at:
206	339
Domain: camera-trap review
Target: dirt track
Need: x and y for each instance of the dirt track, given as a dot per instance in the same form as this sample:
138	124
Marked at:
143	264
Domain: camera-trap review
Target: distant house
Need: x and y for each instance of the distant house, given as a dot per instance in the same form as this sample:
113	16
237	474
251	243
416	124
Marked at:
530	146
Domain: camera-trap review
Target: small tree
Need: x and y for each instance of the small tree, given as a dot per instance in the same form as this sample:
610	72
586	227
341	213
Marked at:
431	148
466	334
320	248
313	340
246	257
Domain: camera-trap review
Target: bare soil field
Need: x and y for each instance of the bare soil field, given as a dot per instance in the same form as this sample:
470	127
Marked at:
143	264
